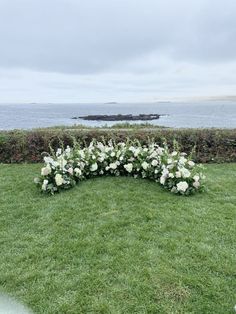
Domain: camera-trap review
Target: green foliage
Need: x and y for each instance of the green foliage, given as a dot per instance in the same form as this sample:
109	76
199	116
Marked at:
118	245
212	145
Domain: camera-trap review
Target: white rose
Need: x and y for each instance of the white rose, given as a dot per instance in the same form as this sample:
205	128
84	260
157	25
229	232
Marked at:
113	165
136	152
113	154
160	150
153	155
128	167
59	179
162	180
182	160
182	186
196	184
46	170
59	151
68	150
82	154
94	167
165	172
178	174
145	165
62	162
70	170
48	160
171	175
44	185
154	163
185	173
78	172
174	154
191	163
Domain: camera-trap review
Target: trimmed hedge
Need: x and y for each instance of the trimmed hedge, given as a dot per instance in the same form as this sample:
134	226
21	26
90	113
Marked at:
212	145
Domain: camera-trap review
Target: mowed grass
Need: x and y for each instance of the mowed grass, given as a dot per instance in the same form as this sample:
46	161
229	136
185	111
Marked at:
118	245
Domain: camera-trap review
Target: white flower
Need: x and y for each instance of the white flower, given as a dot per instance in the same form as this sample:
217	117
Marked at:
153	155
185	173
196	184
77	171
196	178
94	167
178	174
128	167
59	179
165	172
145	165
174	154
160	150
68	150
44	185
113	165
182	186
162	179
102	157
48	160
154	163
136	152
62	162
46	170
70	170
113	154
191	163
171	175
59	152
82	154
182	160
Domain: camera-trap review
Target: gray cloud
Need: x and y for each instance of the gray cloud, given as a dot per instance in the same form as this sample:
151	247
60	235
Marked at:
145	47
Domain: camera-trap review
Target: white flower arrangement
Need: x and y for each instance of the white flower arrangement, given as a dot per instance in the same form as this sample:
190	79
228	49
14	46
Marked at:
173	170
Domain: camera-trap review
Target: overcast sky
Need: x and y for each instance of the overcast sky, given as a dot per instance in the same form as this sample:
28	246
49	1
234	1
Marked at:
116	50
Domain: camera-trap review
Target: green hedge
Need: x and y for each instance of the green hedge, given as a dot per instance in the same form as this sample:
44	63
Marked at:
212	145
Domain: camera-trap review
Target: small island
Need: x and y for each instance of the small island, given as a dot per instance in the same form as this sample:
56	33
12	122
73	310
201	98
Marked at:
120	117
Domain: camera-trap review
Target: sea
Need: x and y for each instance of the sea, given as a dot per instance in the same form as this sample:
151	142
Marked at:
197	114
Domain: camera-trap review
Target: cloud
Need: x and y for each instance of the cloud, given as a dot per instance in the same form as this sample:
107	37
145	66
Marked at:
116	47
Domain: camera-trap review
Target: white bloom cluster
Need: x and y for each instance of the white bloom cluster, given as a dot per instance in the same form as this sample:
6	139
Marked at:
173	169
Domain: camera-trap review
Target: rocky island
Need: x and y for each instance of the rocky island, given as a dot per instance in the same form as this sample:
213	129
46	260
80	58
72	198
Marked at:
120	117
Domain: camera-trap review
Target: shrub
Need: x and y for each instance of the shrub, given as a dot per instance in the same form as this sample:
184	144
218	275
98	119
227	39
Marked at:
212	145
173	170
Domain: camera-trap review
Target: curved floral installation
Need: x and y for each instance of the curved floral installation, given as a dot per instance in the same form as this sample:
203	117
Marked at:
174	170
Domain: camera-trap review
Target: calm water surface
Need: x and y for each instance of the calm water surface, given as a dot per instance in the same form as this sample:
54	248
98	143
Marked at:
220	114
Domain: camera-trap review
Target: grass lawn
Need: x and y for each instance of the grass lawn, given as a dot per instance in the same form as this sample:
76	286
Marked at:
118	245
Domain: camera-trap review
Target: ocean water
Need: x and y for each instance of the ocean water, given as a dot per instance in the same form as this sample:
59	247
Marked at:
219	114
